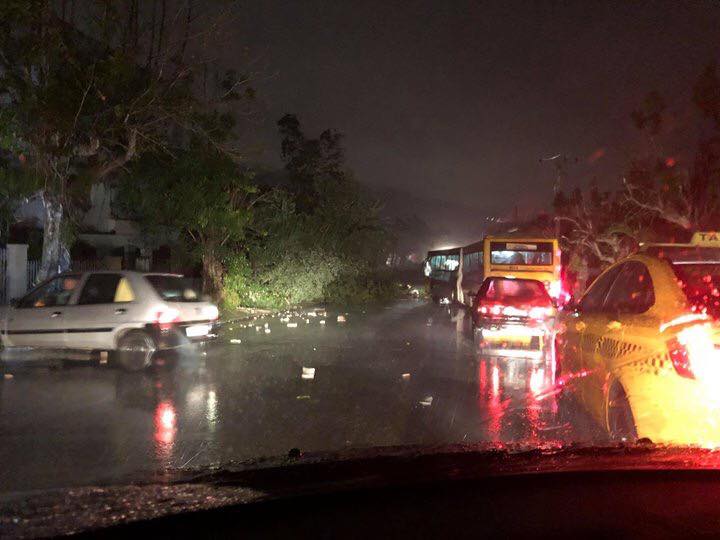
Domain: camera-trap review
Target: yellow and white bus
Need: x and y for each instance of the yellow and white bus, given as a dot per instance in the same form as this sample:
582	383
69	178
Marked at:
456	274
526	258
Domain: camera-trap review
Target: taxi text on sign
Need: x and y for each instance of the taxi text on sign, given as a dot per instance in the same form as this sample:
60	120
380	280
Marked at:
711	238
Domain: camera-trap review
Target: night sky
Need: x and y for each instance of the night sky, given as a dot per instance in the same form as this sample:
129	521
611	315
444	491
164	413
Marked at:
458	101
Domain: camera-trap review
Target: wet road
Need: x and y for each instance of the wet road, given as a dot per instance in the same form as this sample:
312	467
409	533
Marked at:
399	375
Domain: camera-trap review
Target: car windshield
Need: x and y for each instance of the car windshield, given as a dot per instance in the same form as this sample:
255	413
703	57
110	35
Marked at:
174	288
263	233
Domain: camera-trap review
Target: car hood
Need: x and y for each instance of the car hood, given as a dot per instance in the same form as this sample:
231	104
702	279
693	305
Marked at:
167	492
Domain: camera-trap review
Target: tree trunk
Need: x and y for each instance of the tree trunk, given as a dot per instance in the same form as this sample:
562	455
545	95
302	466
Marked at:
212	272
50	263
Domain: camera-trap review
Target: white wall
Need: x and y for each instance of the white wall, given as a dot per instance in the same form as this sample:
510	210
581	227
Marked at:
16	270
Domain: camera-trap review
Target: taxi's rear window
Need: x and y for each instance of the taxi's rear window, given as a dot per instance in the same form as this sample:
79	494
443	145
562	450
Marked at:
701	284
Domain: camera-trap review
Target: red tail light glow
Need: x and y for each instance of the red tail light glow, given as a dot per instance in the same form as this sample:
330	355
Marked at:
693	353
166	317
680	358
496	310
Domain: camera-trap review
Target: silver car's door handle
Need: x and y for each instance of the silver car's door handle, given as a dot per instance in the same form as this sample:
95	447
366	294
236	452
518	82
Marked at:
56	314
120	311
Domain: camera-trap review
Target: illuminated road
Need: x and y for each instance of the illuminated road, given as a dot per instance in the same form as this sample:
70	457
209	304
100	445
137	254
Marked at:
399	375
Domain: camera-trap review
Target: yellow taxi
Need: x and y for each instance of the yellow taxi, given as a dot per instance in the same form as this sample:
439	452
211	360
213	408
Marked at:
640	350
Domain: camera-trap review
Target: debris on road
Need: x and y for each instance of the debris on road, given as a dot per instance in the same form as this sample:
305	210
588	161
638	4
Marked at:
257	328
322	321
427	401
341	318
292	325
308	372
236	341
267	330
303	397
285	319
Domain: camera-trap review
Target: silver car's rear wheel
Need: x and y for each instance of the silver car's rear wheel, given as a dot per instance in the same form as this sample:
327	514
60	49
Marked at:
135	350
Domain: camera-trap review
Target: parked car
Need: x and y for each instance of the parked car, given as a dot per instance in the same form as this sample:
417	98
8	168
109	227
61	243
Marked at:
640	351
126	316
513	318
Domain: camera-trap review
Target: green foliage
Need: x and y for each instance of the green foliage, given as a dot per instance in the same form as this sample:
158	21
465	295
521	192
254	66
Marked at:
200	192
319	240
331	255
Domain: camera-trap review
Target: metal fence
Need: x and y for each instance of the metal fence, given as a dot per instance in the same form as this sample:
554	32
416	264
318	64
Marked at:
32	270
3	276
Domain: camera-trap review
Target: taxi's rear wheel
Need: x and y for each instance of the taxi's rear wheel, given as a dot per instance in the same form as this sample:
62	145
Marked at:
620	420
135	350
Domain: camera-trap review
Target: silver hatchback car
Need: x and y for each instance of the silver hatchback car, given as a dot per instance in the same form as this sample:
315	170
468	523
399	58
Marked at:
122	315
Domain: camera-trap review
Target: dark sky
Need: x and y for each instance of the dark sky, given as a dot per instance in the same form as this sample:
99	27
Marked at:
459	100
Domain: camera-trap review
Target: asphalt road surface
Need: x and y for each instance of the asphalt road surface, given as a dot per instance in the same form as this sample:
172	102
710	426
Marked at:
405	374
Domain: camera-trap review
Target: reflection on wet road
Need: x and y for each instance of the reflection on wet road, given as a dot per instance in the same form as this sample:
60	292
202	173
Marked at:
404	374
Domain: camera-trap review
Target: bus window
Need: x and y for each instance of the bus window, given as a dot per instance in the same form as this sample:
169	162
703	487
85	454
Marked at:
516	254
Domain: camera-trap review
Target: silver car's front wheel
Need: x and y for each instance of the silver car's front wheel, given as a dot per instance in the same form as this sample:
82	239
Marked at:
135	350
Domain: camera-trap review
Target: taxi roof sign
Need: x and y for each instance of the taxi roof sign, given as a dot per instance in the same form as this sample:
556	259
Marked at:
707	239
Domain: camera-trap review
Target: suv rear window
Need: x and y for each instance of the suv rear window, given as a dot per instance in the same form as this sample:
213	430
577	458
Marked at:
701	284
515	291
174	288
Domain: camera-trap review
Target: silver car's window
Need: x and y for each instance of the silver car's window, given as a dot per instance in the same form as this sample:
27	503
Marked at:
174	288
56	292
103	289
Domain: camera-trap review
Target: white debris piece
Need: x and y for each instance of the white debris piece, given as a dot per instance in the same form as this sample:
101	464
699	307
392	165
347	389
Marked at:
285	319
341	318
236	341
322	321
307	321
308	372
267	330
230	328
427	401
292	325
267	325
311	314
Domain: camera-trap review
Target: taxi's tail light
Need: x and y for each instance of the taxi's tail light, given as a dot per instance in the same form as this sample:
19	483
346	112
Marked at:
680	358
